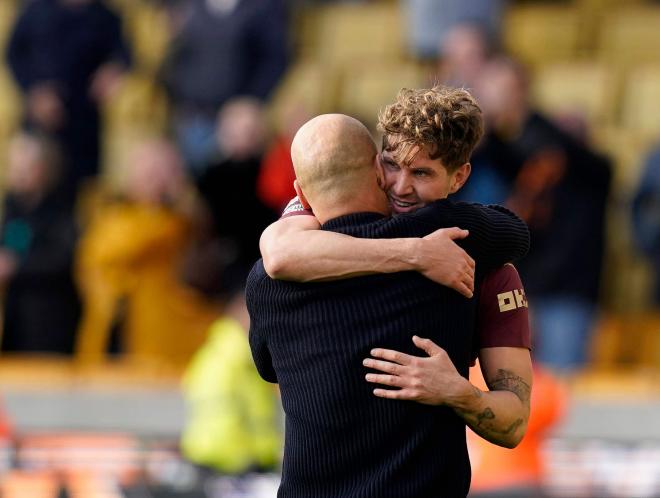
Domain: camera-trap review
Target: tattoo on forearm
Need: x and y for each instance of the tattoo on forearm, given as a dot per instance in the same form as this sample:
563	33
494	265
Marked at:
513	427
487	414
508	381
484	428
486	423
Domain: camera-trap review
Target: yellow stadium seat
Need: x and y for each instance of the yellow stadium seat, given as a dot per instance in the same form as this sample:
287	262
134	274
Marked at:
140	102
585	88
305	28
359	31
630	35
648	327
307	83
148	29
10	98
367	89
627	149
11	106
640	111
8	12
542	33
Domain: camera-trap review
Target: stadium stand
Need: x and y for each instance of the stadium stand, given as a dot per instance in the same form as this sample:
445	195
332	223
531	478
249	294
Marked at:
600	58
587	89
540	33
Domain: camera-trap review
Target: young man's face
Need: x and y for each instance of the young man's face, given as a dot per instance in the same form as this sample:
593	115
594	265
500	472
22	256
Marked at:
410	187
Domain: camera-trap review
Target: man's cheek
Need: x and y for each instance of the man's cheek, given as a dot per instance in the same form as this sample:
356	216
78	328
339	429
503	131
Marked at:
389	180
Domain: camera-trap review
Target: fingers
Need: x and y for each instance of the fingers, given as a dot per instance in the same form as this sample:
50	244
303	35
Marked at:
463	283
386	380
394	394
427	345
391	355
469	262
383	366
464	290
456	233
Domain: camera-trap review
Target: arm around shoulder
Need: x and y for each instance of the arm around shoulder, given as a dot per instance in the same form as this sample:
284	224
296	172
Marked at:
294	248
282	245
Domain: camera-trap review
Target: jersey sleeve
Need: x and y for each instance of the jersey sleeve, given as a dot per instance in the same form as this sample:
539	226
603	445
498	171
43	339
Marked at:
502	314
296	208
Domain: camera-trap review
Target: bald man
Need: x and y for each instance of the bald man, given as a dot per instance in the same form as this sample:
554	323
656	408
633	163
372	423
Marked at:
341	441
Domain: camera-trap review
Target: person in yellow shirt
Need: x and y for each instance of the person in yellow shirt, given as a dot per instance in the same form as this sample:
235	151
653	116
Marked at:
129	262
234	423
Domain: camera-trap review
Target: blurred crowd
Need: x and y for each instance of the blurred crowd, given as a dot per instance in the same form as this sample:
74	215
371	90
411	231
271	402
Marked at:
150	266
142	269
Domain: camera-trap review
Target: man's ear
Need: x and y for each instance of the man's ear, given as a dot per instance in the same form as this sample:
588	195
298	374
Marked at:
459	177
301	196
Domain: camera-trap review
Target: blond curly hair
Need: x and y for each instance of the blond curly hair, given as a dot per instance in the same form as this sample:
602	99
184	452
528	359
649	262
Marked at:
447	121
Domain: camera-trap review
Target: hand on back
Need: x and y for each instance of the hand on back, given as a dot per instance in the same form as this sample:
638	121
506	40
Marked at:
431	380
444	262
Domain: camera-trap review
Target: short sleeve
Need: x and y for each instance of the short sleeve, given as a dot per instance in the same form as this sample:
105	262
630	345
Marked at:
296	208
502	314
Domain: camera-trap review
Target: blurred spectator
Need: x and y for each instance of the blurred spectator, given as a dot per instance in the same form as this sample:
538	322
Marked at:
560	188
129	263
229	185
646	216
499	472
220	49
41	306
429	21
234	423
275	182
68	57
464	51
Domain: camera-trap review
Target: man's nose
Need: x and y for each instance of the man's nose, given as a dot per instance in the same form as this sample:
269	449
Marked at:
403	185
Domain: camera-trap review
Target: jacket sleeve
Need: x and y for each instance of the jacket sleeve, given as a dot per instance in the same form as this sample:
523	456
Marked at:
258	337
497	235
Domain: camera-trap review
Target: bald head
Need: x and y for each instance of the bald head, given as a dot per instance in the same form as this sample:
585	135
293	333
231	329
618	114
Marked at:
333	156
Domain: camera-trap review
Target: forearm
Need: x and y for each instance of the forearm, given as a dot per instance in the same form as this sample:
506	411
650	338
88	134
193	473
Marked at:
314	255
497	416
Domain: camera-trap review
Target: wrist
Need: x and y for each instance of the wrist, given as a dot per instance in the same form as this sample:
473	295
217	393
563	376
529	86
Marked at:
394	255
466	397
410	250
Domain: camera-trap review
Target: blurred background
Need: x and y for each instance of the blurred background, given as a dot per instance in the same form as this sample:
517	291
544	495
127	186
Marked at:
144	147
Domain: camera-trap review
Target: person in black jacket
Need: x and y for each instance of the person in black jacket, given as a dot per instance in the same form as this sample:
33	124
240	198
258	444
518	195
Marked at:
311	338
220	50
560	187
37	241
67	57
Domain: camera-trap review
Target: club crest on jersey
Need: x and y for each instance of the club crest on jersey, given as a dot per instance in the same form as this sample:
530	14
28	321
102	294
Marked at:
294	206
512	300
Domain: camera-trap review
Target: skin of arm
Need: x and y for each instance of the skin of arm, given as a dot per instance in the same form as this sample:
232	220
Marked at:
295	249
499	415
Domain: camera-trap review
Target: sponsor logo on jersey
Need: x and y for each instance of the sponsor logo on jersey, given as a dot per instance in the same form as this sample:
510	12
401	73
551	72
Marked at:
512	300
